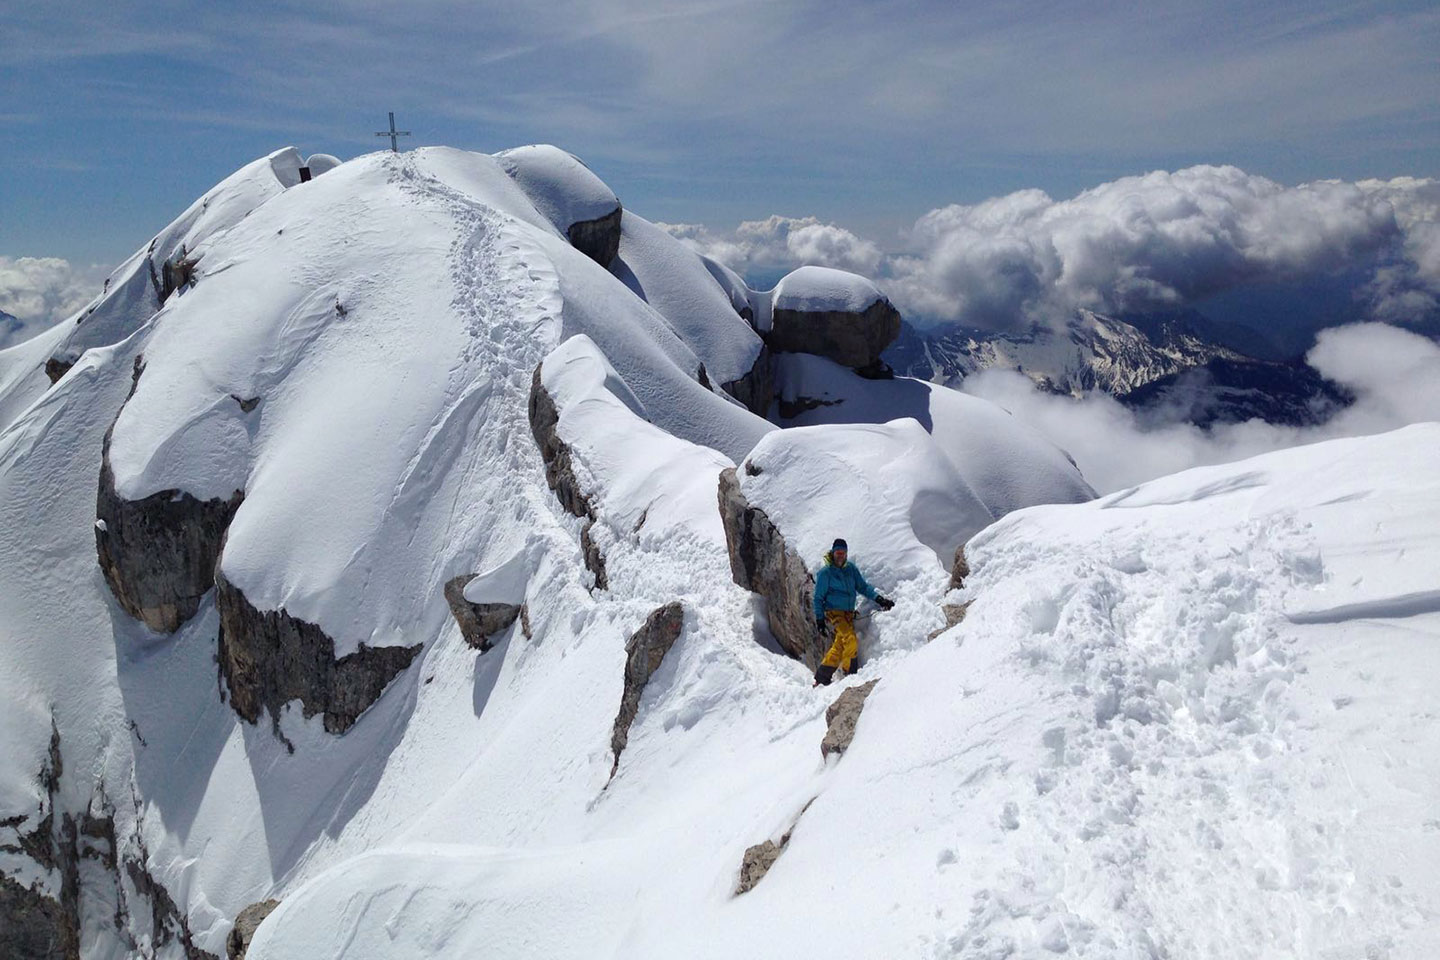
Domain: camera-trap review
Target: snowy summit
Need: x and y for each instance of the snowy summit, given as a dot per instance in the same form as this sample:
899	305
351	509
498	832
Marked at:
415	560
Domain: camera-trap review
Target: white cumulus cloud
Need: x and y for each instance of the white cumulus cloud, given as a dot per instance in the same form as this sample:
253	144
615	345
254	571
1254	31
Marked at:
1163	239
783	242
1394	375
45	290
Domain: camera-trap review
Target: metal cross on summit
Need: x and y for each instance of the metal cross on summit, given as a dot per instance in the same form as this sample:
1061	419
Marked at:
392	133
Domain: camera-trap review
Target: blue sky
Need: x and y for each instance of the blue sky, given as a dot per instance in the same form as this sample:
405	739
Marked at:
117	115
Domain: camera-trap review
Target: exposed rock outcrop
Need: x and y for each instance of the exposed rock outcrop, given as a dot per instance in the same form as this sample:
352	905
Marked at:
644	653
34	926
841	718
761	561
269	658
478	621
757	388
248	921
176	273
158	553
757	862
55	368
598	239
954	613
761	857
560	473
959	569
852	339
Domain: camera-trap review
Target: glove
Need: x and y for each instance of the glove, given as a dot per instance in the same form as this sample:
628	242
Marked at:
820	624
884	603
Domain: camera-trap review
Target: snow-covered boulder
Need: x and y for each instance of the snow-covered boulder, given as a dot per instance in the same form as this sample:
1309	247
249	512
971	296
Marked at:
886	488
833	314
321	163
575	201
1007	463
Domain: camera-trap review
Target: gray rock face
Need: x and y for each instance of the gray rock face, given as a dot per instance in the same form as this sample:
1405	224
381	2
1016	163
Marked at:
757	388
954	613
238	942
959	570
761	561
158	554
842	716
598	239
757	862
852	339
644	652
269	658
478	621
560	473
761	857
55	368
33	926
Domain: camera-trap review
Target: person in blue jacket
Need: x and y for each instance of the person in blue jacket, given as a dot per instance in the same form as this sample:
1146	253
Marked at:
836	585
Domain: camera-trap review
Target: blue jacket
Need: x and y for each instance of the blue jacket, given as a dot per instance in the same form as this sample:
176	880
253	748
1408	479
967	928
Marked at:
835	587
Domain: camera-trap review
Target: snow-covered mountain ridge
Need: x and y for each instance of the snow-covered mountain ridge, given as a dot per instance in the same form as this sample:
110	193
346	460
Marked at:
1178	361
426	547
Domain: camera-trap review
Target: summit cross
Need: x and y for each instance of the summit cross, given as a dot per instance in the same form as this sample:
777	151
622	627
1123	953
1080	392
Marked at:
392	133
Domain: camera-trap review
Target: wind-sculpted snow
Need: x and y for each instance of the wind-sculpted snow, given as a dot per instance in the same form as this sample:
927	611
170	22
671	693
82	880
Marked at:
675	281
1178	676
1126	749
1006	464
575	201
886	488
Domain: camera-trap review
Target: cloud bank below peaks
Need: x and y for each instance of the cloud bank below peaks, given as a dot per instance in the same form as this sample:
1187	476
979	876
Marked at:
1394	375
45	290
1161	240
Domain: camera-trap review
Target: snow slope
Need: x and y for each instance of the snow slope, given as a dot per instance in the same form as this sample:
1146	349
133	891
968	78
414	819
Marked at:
1006	463
674	280
1171	725
1135	744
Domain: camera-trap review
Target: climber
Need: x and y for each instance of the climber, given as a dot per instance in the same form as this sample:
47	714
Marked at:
835	589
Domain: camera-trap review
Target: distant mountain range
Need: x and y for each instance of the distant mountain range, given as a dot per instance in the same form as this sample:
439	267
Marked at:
1191	367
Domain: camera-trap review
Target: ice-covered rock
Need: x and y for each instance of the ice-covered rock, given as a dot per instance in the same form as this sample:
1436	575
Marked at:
571	197
832	314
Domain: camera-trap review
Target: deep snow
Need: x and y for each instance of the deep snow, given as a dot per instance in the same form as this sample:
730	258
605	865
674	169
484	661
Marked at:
1193	718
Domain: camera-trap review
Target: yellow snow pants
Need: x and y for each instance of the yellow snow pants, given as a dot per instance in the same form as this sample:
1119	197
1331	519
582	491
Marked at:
846	646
